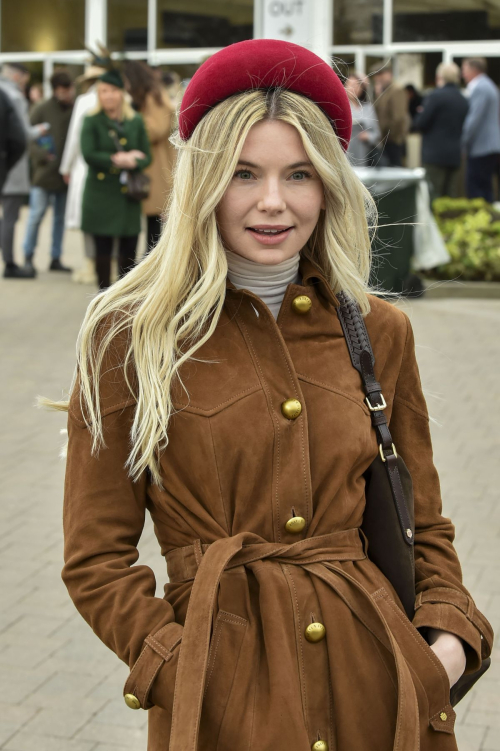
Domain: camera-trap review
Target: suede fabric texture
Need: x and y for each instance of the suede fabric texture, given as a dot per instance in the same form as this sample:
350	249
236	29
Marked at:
235	670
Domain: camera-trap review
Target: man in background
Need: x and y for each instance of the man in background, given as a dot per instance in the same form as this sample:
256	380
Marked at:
440	121
391	106
481	132
48	185
13	80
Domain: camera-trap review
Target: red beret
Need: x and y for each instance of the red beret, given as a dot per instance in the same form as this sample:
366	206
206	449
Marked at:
265	64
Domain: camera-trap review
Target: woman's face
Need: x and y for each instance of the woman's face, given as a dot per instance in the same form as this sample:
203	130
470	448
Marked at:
273	202
110	97
353	87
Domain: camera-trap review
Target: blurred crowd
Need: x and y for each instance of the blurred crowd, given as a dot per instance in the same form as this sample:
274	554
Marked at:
103	160
455	121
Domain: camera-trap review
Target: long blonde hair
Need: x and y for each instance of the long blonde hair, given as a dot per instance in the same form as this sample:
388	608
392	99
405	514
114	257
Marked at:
170	303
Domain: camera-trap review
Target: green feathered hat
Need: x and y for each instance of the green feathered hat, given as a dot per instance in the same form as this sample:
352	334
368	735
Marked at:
112	77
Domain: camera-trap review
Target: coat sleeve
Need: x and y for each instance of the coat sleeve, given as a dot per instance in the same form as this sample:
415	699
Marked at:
371	124
478	107
143	145
442	601
15	136
72	145
157	119
39	155
89	146
104	513
400	119
423	120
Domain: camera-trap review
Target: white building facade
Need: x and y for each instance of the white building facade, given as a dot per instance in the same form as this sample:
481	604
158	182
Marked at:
416	34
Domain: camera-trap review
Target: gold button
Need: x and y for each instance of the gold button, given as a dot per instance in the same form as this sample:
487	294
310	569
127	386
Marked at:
101	175
123	141
319	746
315	632
295	524
302	304
443	716
124	189
291	409
132	701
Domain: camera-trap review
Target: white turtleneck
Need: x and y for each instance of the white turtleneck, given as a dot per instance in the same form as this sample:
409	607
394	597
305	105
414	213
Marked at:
267	281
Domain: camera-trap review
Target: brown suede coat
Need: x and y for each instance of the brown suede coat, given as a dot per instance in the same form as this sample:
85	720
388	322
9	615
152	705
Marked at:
223	663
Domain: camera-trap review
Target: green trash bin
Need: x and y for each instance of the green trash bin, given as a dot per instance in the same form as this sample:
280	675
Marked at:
395	191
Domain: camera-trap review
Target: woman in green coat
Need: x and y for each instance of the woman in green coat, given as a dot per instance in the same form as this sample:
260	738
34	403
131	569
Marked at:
107	210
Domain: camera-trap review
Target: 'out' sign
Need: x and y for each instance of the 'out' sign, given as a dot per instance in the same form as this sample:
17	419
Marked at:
287	20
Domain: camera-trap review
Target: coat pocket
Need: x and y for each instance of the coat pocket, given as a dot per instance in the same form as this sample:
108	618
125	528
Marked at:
425	665
225	646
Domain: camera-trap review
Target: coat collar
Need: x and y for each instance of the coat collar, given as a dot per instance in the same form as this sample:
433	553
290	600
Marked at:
311	276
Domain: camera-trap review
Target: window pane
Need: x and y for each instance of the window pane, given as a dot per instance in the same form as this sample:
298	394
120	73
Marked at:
42	25
357	21
127	25
446	20
198	23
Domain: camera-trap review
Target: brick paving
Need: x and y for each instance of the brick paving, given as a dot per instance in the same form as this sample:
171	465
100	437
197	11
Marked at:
60	687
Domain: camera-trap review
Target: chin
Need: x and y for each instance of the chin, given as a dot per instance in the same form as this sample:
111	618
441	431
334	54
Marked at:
268	255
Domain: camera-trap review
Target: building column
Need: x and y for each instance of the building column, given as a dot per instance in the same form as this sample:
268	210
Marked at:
96	23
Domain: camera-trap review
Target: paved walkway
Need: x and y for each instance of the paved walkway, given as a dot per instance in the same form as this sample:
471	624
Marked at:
60	687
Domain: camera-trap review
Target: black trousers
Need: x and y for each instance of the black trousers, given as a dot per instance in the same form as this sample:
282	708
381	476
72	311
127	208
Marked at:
103	250
155	225
479	179
442	181
392	155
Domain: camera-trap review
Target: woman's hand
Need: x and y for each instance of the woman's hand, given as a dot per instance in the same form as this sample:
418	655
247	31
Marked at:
127	159
450	651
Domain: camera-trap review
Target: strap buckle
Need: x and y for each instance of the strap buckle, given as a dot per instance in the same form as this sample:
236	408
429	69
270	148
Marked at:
377	407
382	455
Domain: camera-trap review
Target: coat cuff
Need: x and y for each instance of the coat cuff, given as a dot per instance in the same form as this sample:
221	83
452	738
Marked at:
454	611
159	648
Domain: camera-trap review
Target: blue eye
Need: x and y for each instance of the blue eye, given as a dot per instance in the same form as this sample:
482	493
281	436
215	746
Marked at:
302	175
243	174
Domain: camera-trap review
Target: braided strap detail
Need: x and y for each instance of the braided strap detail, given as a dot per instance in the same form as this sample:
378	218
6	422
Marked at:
354	329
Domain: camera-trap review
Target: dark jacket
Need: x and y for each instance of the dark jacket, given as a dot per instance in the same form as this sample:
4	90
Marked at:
237	469
106	208
12	137
441	123
46	169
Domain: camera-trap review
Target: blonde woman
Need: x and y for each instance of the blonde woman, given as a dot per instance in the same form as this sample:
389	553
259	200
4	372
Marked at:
114	143
214	389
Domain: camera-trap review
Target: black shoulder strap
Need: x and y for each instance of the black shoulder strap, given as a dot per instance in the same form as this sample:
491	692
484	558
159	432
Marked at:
363	360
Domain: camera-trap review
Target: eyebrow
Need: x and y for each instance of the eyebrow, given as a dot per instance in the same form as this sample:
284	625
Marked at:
295	165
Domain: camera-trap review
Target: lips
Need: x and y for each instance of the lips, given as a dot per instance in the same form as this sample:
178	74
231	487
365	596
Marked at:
266	229
269	234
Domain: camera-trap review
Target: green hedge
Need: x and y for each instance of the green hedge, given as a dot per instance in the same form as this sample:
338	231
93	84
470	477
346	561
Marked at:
471	230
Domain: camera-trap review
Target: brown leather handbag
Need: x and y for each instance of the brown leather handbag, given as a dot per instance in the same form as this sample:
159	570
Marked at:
388	520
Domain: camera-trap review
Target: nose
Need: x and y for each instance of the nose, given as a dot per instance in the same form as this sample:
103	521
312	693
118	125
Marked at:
271	199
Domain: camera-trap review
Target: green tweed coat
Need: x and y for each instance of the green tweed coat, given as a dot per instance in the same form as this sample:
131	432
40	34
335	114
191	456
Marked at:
106	208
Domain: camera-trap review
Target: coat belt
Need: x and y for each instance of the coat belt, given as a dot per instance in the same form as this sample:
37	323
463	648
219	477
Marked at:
203	564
